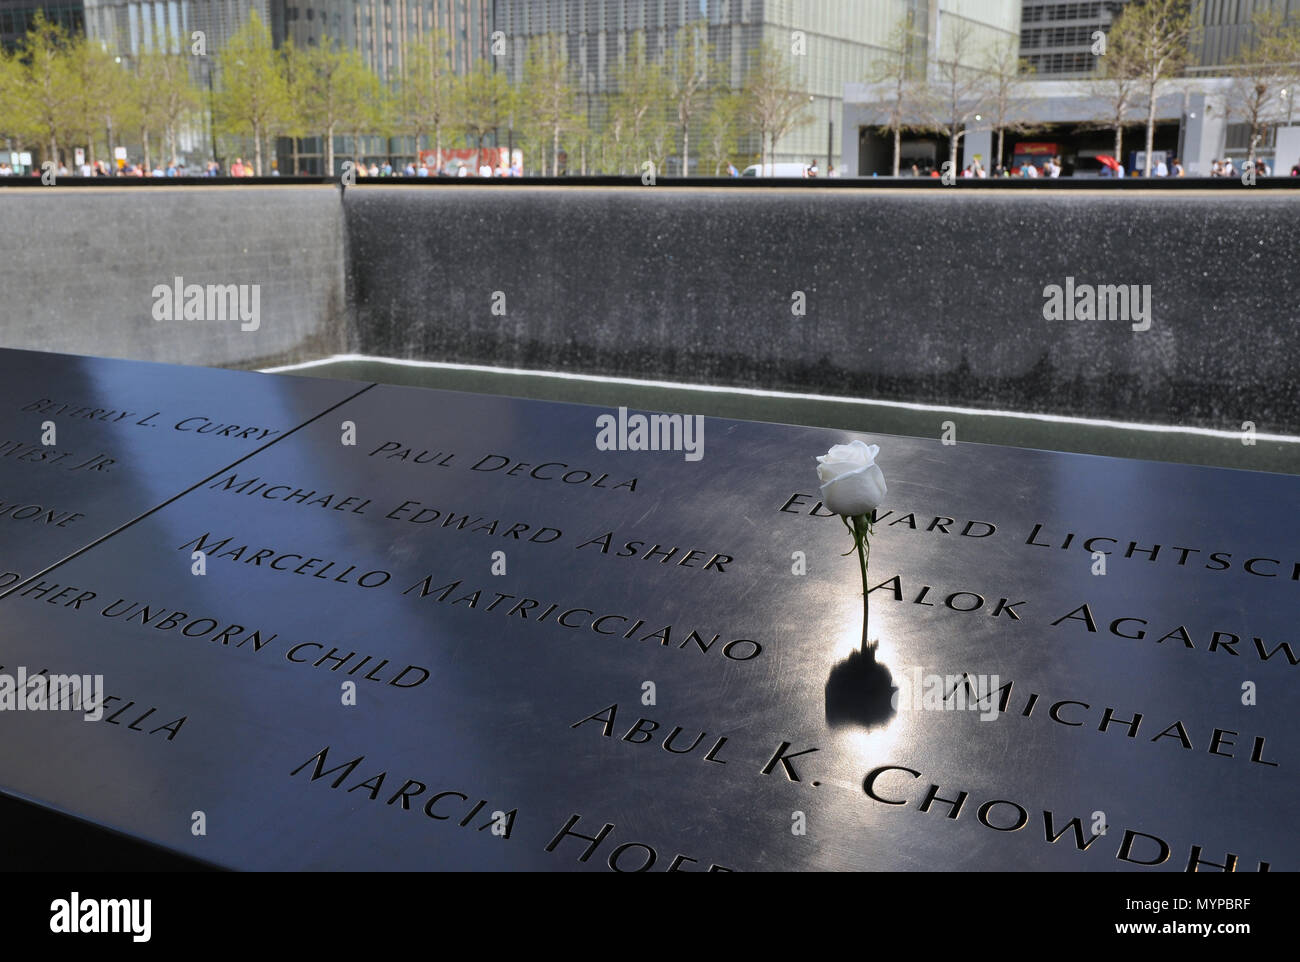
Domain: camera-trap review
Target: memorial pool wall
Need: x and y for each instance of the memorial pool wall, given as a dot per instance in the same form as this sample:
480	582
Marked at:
959	297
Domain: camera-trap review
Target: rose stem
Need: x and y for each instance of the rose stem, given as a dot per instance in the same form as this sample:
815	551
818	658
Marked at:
859	535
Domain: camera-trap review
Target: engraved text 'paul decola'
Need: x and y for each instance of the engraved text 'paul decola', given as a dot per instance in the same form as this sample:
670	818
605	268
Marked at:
654	432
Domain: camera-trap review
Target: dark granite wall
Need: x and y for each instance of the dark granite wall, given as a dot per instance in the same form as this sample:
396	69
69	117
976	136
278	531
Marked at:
929	296
80	266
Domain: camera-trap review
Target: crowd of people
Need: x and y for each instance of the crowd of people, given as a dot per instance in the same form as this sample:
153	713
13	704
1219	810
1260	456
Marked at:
1225	168
1051	167
242	168
101	169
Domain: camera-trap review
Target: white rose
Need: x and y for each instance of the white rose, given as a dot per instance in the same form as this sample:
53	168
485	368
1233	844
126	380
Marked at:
852	482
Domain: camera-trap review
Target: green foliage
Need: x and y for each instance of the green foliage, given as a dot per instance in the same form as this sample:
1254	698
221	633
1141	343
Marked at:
46	102
549	101
334	92
58	91
1153	42
253	101
1265	74
775	105
484	101
690	75
423	98
636	130
159	98
723	124
13	104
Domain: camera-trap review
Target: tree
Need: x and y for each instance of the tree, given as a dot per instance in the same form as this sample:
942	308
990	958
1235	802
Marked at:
961	93
1117	89
47	91
586	140
1262	73
146	109
1154	36
335	91
637	112
425	91
254	99
689	80
96	85
14	122
549	97
1005	70
163	95
774	104
721	129
894	71
661	135
484	101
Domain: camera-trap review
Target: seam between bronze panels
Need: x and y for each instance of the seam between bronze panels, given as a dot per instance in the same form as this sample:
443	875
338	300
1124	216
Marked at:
180	494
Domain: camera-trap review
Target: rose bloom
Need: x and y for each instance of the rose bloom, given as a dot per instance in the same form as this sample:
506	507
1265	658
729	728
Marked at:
852	482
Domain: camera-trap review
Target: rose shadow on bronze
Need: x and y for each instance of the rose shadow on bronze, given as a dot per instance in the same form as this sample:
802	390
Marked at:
860	691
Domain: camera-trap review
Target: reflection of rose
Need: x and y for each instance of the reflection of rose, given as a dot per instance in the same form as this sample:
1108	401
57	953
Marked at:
852	483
